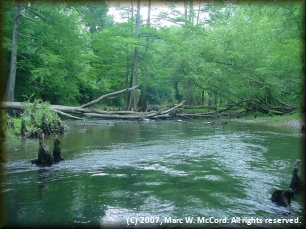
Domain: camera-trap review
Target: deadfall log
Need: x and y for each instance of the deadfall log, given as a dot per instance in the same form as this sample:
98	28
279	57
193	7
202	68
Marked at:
95	113
67	115
158	114
19	105
197	107
198	115
113	116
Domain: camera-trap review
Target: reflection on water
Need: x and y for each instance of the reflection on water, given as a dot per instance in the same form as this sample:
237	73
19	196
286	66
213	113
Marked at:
156	171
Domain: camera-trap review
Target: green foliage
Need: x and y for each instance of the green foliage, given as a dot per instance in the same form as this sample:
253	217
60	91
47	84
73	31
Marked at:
33	116
14	128
71	54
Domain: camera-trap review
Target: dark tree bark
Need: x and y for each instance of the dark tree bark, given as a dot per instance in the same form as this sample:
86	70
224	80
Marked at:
44	155
23	129
57	150
10	89
45	126
202	98
210	98
33	120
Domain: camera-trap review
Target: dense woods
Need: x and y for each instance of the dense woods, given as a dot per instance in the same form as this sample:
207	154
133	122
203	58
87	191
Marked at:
226	54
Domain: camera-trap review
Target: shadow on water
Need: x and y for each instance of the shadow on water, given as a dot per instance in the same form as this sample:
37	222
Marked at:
154	171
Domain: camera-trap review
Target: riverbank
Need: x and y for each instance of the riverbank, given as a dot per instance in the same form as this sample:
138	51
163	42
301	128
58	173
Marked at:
294	121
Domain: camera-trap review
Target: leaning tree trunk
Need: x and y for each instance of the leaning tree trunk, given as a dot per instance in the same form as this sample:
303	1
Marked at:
133	97
9	96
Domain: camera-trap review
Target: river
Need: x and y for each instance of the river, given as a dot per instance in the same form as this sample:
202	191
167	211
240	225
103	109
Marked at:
157	174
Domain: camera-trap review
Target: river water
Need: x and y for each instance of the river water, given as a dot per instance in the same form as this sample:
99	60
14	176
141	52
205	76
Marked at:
157	174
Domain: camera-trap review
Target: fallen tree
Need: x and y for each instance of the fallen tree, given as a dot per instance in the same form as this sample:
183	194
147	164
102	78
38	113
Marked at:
251	105
254	105
83	110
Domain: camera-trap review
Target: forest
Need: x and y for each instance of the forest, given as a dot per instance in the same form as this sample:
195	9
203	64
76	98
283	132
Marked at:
206	53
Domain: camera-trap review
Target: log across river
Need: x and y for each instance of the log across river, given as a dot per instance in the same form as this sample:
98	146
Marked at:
155	173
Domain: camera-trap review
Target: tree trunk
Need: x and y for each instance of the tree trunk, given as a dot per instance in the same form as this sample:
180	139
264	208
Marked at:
143	95
216	99
202	98
9	96
133	98
126	95
186	10
199	12
209	98
128	83
191	12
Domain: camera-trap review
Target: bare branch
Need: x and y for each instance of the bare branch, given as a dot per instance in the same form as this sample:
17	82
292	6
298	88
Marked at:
67	115
107	95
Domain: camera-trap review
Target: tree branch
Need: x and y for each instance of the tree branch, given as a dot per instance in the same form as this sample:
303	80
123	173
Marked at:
28	18
107	95
67	115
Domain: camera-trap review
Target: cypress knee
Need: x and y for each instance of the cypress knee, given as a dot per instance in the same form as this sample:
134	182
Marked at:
57	150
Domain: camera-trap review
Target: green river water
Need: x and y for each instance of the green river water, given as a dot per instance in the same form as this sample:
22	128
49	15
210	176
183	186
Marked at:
157	174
